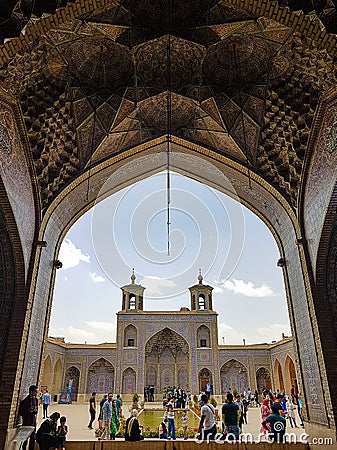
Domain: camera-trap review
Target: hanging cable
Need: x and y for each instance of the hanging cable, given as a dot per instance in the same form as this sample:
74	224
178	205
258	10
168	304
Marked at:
169	127
243	124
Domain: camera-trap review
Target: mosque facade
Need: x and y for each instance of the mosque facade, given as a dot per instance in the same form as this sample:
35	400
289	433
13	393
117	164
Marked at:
166	348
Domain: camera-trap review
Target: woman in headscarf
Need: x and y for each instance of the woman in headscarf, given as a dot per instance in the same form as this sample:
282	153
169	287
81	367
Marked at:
46	434
114	426
132	429
265	411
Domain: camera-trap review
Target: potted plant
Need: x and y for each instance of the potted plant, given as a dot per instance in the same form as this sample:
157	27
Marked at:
135	399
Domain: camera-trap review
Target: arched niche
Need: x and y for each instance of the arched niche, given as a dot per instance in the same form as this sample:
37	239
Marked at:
278	376
72	377
101	376
129	381
290	375
263	379
46	379
130	336
57	377
233	376
203	336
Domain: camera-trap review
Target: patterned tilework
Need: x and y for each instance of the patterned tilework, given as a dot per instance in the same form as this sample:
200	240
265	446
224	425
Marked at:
129	357
16	178
204	357
321	179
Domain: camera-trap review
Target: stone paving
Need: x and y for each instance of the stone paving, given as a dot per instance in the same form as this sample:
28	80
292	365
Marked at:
78	418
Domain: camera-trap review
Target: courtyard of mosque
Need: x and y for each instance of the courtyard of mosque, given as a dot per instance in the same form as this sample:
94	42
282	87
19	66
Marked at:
78	417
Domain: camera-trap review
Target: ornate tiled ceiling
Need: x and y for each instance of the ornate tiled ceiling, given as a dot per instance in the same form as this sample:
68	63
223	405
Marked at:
220	76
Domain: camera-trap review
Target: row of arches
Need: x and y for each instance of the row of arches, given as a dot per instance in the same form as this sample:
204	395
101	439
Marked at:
101	377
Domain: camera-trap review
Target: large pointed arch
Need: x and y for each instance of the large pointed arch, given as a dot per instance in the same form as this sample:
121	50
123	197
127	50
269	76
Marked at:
194	161
278	376
233	376
101	377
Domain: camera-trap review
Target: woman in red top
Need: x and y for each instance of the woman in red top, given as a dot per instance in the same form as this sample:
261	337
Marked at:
265	411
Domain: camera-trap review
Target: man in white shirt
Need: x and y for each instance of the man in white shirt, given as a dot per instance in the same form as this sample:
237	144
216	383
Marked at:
207	426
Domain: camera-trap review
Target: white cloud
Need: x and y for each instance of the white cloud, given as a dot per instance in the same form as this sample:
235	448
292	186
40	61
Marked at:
78	335
217	290
103	326
272	332
93	332
156	285
71	256
230	335
246	289
97	278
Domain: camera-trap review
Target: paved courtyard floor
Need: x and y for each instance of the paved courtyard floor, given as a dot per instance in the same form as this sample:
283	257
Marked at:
78	419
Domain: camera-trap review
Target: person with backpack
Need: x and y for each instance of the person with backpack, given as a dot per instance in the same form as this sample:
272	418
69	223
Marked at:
207	427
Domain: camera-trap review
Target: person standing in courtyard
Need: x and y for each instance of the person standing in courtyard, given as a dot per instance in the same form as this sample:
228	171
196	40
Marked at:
107	415
45	403
28	410
277	425
100	415
61	433
300	409
184	423
230	413
114	426
92	409
171	432
265	411
207	427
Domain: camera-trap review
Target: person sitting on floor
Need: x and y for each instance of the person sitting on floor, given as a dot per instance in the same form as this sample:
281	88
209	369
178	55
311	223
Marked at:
132	428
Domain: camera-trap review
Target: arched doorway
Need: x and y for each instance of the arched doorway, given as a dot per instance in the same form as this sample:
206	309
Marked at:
129	381
278	376
263	379
72	378
166	358
233	377
205	377
46	379
101	375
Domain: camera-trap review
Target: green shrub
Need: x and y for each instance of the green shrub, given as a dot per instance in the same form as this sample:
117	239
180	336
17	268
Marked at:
195	398
135	398
235	393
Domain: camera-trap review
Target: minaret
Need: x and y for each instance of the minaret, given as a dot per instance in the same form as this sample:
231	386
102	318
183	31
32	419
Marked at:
201	296
132	295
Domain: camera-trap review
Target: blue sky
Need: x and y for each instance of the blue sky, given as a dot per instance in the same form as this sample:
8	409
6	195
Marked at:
208	230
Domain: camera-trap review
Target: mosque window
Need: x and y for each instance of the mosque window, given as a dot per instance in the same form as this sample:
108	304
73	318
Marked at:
203	343
131	342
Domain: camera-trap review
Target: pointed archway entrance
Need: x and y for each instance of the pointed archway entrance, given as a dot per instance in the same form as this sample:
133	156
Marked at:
166	360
